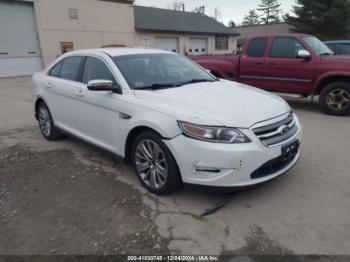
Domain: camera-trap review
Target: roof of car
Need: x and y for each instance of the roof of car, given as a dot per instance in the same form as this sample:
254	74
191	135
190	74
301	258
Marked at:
281	35
338	42
119	51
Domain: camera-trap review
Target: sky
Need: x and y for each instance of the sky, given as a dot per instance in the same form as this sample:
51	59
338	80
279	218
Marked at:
230	9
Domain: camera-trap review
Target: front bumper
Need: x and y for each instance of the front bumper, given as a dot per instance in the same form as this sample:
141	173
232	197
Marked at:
229	165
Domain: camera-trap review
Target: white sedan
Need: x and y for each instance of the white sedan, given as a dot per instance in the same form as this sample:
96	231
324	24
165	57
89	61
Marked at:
170	118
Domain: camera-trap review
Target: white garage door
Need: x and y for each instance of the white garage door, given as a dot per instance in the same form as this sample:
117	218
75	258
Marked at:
198	46
167	43
19	46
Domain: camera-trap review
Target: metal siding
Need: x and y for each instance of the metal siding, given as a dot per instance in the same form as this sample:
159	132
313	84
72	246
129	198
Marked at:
167	43
199	44
19	45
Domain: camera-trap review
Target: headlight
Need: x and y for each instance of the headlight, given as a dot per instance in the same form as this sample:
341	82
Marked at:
213	134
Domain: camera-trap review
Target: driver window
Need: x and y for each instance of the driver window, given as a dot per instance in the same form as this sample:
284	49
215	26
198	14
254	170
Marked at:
285	47
96	69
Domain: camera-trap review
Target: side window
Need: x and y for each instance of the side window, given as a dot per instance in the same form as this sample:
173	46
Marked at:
96	69
55	71
333	47
285	47
344	49
257	47
70	68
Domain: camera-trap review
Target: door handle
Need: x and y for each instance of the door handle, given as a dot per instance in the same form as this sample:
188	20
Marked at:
272	64
50	85
259	63
80	93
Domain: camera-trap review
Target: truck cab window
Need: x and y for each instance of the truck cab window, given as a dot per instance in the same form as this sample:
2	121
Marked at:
285	47
257	47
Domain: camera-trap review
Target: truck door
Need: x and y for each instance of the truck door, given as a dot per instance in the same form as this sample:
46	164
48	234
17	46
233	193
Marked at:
284	71
252	62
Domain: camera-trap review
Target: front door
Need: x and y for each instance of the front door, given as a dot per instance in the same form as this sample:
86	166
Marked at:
284	71
252	63
98	112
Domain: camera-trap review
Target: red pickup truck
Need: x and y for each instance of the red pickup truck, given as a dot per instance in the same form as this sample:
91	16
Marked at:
288	63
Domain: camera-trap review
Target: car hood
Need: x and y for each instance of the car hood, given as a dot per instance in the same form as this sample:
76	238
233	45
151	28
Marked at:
222	103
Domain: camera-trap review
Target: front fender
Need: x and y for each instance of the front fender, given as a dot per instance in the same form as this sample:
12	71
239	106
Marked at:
163	124
323	78
220	68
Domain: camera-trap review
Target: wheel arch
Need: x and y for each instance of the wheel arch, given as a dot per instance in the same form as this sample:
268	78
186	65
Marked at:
325	80
136	131
38	101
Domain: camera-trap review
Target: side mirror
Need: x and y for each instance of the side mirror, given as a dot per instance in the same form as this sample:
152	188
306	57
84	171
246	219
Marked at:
304	54
103	85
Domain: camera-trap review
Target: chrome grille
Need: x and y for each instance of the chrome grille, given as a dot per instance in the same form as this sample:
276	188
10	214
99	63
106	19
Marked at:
277	132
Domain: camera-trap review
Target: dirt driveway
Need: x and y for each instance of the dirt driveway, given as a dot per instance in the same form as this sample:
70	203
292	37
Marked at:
70	198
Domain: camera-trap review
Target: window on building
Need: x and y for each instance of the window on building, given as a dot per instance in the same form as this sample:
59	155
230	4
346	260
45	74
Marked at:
221	42
96	69
285	47
66	47
257	47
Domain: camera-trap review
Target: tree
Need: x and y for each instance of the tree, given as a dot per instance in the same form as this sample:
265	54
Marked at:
199	9
177	5
252	18
231	24
217	14
270	10
327	19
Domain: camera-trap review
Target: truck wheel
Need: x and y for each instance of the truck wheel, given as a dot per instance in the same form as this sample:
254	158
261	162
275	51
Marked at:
335	98
155	165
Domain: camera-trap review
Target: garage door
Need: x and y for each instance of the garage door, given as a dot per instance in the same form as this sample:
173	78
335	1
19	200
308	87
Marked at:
169	44
19	46
198	46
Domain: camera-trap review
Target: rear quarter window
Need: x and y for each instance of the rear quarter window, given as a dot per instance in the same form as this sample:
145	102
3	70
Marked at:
55	71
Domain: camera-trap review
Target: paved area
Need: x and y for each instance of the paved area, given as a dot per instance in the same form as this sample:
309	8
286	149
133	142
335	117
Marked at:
70	198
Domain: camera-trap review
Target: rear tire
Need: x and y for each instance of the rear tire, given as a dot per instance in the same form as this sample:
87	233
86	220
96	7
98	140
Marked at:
335	98
46	124
155	165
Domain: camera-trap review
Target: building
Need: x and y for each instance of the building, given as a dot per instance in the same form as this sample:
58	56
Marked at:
34	32
263	29
183	32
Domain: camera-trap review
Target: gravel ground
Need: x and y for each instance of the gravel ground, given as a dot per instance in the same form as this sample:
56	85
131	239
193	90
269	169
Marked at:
68	197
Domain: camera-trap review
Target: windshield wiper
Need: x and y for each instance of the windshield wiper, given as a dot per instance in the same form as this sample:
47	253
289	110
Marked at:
156	86
192	81
327	53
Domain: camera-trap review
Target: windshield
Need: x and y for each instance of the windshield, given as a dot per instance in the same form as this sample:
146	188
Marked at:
317	46
160	71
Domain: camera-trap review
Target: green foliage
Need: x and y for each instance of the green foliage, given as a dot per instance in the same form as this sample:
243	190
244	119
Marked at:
252	18
327	19
231	24
270	10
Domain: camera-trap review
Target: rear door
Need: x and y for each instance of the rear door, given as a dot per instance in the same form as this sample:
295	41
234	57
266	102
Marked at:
62	87
284	71
252	62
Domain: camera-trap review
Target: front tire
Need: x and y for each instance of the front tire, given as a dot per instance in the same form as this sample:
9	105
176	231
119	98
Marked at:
46	124
335	98
155	165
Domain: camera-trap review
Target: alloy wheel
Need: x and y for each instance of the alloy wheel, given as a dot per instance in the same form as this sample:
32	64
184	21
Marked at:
45	121
338	99
151	164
